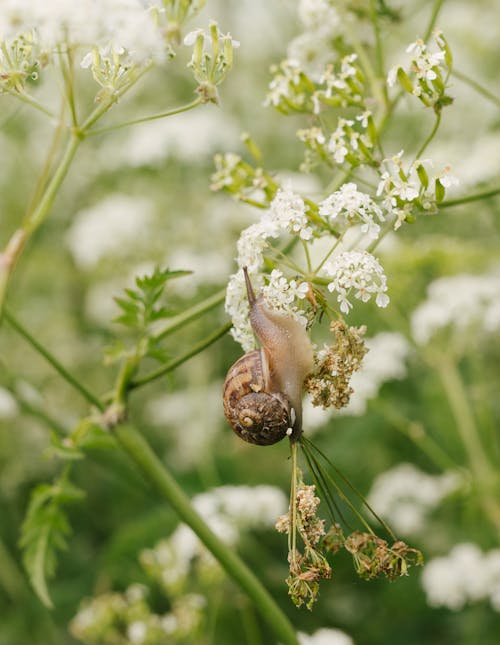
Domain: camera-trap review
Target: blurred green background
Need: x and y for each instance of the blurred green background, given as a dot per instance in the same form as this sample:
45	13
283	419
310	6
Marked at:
63	292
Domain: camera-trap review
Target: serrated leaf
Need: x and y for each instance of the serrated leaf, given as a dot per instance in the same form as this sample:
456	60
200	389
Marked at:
126	305
44	532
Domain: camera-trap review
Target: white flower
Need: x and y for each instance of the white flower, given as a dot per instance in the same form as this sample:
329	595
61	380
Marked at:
464	576
110	228
461	302
190	38
126	24
196	408
385	361
392	76
325	636
137	632
358	272
280	294
319	15
348	204
288	212
228	510
405	495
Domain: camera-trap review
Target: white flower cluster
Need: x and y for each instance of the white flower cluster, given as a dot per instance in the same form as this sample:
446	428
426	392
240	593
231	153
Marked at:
461	303
423	63
120	24
227	510
357	274
110	228
325	636
348	205
385	361
345	140
287	213
99	618
430	70
465	575
400	188
405	495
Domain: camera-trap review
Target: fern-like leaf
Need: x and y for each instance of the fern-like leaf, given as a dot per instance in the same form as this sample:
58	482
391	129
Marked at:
44	532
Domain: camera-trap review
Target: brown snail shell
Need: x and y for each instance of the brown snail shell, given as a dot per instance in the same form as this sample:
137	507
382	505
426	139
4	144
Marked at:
262	392
255	414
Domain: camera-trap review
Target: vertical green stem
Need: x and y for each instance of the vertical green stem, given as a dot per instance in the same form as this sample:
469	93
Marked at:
484	475
292	511
432	22
32	222
134	444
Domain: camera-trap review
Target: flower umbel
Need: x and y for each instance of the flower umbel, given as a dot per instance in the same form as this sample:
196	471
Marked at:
357	274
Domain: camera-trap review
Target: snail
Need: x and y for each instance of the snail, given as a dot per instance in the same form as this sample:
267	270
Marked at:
262	392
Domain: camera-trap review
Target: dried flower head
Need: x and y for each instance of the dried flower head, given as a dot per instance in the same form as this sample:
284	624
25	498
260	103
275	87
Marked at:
309	567
329	382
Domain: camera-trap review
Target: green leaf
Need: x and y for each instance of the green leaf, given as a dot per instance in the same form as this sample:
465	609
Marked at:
44	532
142	306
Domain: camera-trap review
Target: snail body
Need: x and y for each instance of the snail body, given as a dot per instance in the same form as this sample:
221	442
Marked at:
262	392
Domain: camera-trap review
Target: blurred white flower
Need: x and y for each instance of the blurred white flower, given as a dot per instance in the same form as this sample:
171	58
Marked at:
460	303
192	137
464	576
227	510
191	417
110	228
8	405
325	636
319	15
126	24
137	632
405	495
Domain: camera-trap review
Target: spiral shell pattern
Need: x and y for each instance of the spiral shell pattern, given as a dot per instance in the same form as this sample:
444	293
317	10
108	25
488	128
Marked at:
256	415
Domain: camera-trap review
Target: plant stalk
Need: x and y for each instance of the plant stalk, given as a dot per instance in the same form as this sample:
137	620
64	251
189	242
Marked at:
137	448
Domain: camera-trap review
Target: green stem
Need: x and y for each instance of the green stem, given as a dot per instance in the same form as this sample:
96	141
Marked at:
29	100
171	365
435	12
153	117
479	88
191	314
41	211
365	61
91	398
33	220
430	137
484	474
101	109
137	448
470	198
38	413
